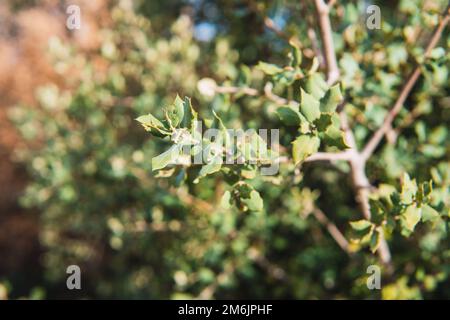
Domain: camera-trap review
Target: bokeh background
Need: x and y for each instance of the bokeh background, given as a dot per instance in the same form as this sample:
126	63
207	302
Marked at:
75	179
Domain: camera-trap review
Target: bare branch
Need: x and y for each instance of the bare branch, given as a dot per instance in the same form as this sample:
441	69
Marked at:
405	91
331	3
254	92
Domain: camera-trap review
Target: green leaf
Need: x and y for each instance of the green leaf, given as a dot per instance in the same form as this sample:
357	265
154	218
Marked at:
377	210
304	146
149	121
287	77
309	106
213	166
331	100
180	177
437	53
427	188
225	201
249	172
166	158
183	137
290	115
255	202
296	54
375	241
363	236
335	137
190	115
315	65
360	224
397	54
253	147
411	217
244	189
175	112
421	131
268	68
224	134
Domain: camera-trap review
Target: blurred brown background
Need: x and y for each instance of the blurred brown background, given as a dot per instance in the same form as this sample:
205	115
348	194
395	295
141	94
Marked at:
25	29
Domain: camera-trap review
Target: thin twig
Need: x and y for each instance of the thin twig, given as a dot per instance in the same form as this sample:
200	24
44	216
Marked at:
327	41
406	90
319	156
332	229
270	24
314	43
254	92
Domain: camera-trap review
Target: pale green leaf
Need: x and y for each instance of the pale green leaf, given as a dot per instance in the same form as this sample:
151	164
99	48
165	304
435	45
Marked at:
360	224
304	146
296	54
166	158
225	201
210	168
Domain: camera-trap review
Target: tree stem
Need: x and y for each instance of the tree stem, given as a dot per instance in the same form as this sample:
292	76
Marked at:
357	162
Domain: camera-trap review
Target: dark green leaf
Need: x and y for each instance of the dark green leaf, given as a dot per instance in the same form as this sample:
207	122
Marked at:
290	115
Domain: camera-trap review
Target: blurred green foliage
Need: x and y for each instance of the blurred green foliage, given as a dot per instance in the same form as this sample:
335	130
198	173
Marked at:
138	233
